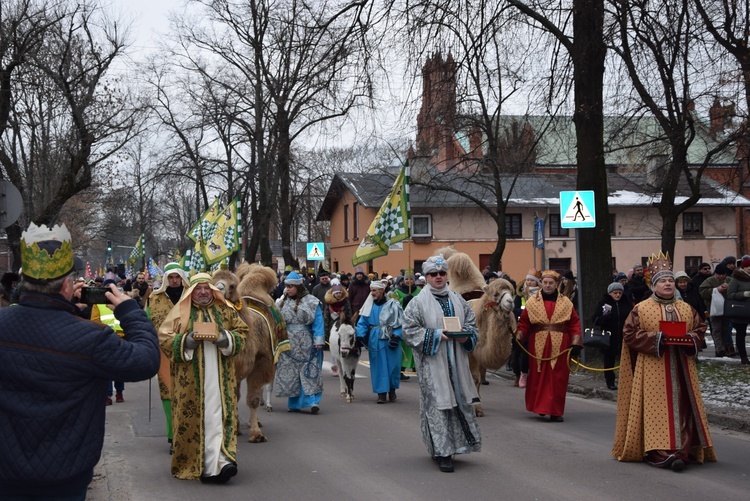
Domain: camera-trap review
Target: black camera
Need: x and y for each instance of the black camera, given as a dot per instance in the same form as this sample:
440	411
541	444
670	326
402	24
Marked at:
94	295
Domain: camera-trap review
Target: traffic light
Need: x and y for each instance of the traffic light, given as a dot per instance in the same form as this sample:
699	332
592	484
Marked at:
109	245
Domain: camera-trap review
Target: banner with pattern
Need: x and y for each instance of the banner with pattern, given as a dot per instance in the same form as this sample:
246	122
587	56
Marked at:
391	224
225	238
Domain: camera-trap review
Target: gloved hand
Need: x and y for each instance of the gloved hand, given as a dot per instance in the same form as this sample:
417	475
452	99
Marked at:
190	342
222	341
606	309
746	293
394	342
575	350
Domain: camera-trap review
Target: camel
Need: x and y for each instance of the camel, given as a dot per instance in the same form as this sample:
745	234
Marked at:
493	308
343	342
496	323
255	363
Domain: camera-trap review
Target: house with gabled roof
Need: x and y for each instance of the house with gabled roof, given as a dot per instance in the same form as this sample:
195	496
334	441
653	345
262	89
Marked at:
635	155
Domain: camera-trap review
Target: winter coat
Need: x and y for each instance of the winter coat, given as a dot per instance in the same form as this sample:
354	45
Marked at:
738	285
707	287
638	289
614	320
54	368
358	291
692	297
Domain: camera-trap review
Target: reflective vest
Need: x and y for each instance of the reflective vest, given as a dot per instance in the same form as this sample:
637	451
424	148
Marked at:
107	317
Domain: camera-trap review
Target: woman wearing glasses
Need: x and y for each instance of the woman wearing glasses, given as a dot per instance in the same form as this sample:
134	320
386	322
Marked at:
447	390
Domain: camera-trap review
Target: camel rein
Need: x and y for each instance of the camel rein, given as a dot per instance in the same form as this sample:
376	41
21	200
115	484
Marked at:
570	360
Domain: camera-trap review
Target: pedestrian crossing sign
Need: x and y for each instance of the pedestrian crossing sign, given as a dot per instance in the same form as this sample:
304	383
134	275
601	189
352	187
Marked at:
316	251
577	209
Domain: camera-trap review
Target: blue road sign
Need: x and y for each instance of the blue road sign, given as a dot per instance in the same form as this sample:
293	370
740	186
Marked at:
577	209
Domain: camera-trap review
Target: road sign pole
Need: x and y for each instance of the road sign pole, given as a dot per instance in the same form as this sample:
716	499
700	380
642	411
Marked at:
579	296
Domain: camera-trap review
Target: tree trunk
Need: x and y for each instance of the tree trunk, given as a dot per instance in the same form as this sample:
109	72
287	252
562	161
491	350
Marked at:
588	55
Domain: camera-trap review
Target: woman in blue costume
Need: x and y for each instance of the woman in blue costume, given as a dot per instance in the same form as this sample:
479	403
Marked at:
298	371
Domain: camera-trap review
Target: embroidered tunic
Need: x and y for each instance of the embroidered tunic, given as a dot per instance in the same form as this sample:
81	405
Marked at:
448	423
659	404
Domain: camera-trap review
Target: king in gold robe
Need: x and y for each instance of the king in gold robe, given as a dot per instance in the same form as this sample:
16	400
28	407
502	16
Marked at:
204	410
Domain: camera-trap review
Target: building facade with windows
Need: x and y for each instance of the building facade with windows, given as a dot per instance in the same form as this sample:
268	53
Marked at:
707	232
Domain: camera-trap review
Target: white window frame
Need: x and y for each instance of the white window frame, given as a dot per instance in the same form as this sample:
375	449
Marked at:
428	217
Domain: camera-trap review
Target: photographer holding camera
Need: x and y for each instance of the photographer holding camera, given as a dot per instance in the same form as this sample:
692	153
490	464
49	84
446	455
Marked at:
54	367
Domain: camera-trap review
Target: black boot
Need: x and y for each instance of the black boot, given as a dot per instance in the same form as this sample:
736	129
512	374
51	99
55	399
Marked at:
445	463
381	398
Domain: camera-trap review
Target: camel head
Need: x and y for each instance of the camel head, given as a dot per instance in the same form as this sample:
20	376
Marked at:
226	282
257	282
499	295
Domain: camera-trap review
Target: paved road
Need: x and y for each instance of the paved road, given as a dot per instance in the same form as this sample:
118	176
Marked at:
366	451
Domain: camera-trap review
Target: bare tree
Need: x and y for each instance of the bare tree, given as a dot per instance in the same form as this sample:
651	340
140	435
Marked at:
61	117
661	38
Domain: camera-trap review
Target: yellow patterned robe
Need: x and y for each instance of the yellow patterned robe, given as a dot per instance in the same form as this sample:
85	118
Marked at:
652	391
159	306
187	400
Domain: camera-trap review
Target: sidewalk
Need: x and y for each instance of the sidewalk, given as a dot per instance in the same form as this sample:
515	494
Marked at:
736	417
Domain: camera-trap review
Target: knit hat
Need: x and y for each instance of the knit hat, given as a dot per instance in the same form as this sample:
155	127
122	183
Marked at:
681	274
336	294
745	261
569	275
615	286
721	269
359	269
620	276
293	278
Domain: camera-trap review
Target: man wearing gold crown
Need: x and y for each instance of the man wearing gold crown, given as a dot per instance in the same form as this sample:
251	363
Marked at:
201	336
660	414
550	325
55	367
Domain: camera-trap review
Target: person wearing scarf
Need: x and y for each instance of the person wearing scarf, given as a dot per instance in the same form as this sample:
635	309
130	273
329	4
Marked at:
548	326
337	306
660	414
158	306
379	329
448	423
298	371
204	403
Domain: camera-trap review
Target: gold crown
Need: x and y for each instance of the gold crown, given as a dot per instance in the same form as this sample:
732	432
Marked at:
658	266
46	253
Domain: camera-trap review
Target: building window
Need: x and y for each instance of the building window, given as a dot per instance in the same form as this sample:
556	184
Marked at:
421	226
555	230
513	226
560	265
692	264
355	220
612	225
346	223
692	223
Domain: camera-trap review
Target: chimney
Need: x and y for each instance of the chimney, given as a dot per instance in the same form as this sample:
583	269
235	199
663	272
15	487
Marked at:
656	170
718	117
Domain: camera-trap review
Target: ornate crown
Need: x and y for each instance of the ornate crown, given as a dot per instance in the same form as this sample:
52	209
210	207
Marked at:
658	267
46	253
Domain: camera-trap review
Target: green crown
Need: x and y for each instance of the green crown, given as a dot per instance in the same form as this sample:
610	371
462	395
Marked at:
39	264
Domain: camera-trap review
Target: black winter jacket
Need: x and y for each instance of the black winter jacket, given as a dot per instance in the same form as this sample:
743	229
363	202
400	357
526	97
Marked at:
54	369
614	320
